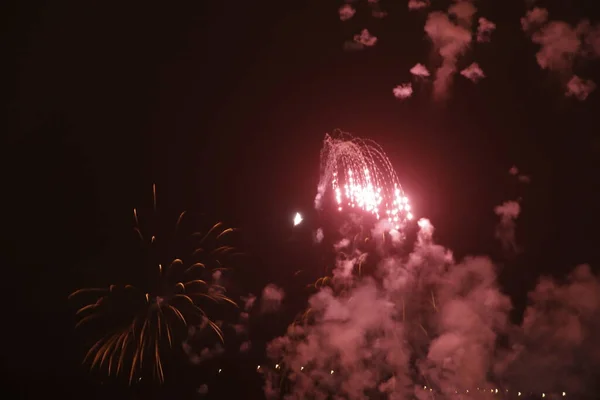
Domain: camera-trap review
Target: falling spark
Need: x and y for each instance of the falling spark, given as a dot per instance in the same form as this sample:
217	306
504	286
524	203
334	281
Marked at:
297	219
360	176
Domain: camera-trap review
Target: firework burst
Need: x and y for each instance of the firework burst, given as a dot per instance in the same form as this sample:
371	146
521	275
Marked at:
143	322
360	176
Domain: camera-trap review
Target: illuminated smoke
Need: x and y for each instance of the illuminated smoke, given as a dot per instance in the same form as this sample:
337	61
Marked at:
436	325
360	41
534	19
450	41
417	4
580	88
419	70
271	298
346	12
559	45
485	29
365	38
562	46
557	348
473	72
403	91
505	231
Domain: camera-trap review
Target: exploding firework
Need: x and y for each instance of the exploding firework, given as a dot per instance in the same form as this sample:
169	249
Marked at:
359	176
141	322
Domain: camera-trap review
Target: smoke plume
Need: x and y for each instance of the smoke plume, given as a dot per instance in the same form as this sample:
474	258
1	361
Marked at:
423	321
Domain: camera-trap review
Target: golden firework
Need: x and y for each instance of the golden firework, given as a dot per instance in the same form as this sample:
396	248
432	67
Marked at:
142	323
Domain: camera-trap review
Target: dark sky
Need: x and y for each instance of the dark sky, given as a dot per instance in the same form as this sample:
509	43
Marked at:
224	106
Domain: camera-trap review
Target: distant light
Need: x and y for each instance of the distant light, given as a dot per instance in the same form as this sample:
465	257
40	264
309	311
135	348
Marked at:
430	389
301	368
496	390
564	394
297	219
331	372
543	394
467	390
258	367
219	370
424	387
519	394
276	366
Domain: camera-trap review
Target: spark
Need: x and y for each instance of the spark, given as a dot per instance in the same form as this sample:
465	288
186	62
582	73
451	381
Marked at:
297	219
360	176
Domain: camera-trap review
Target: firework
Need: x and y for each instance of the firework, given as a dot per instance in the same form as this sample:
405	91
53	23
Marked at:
359	176
145	321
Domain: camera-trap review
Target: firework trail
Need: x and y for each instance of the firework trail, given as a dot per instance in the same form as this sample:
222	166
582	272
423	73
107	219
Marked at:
359	176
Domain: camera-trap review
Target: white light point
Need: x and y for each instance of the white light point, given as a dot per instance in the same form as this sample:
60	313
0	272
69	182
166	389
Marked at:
297	219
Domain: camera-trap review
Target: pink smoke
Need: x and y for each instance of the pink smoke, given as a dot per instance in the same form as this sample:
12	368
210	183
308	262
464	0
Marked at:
346	12
505	230
450	41
435	324
403	91
271	299
417	4
485	29
580	88
473	72
419	70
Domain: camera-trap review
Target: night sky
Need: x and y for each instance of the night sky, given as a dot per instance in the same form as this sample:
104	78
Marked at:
224	106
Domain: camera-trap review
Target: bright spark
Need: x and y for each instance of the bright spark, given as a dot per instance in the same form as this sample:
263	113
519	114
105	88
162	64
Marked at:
297	219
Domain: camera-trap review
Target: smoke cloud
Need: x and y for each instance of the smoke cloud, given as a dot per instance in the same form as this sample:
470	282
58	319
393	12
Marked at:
485	29
580	88
420	70
473	73
271	299
425	325
450	40
562	46
403	91
346	12
557	349
505	230
418	4
435	325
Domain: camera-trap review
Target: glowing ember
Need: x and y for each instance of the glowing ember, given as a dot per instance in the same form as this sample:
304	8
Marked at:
361	176
297	219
